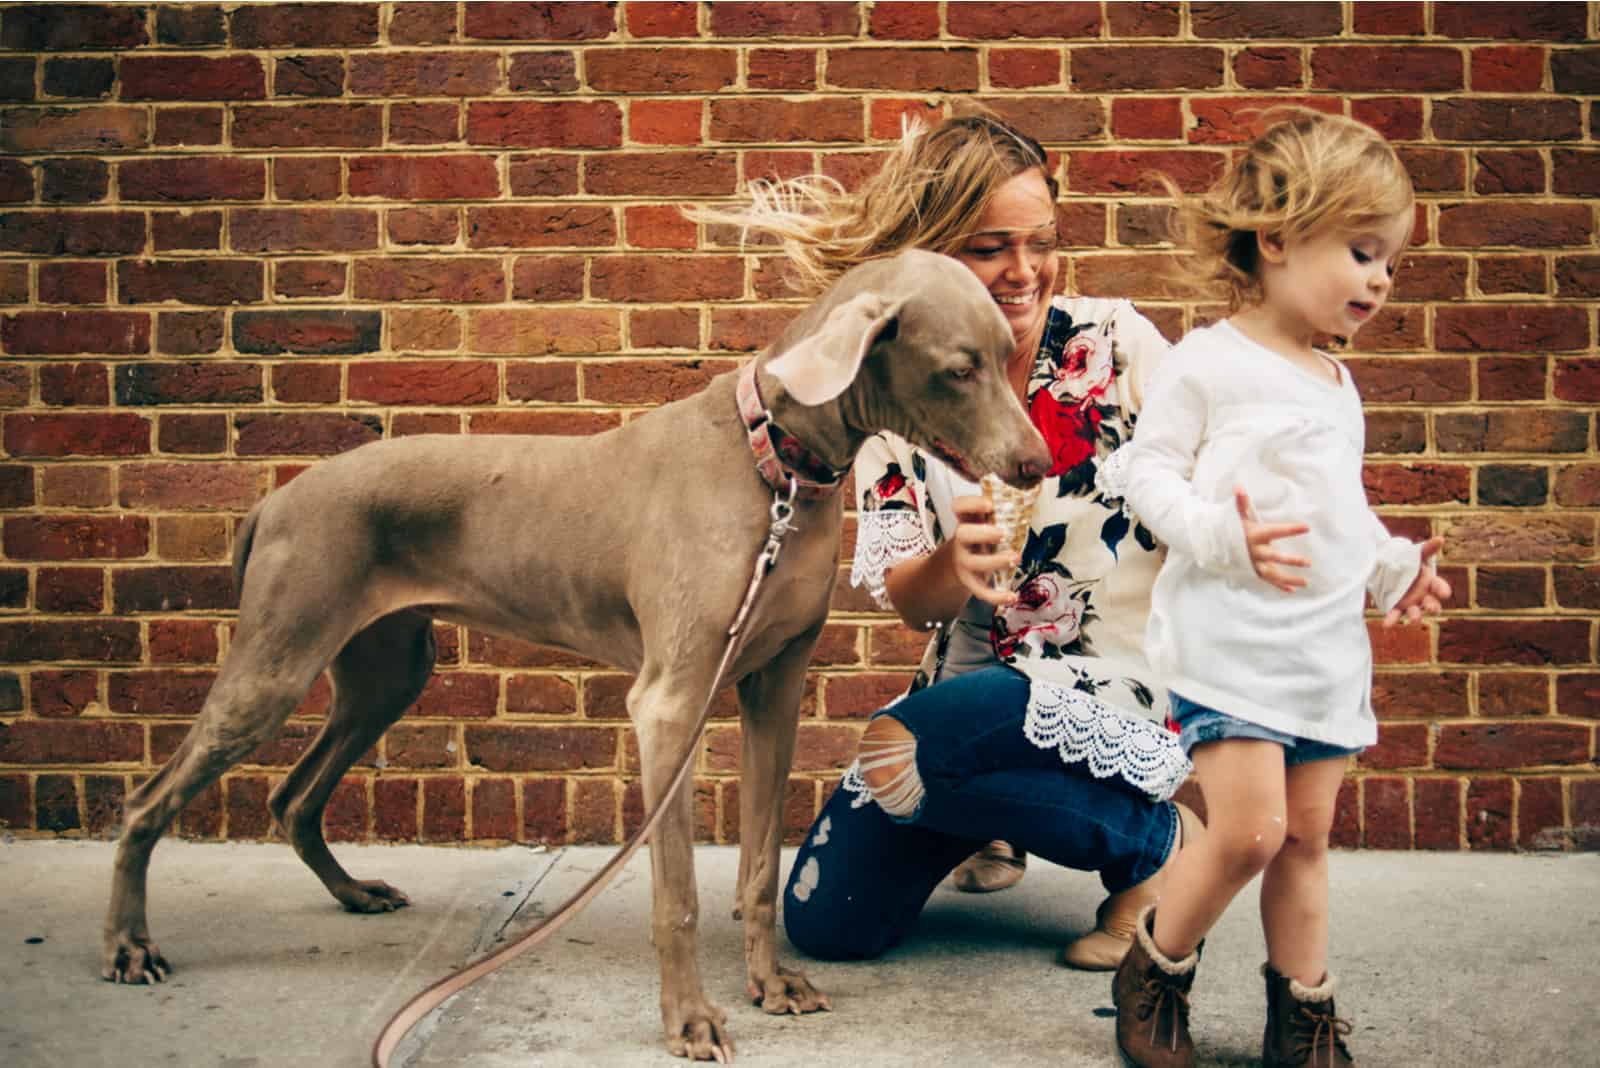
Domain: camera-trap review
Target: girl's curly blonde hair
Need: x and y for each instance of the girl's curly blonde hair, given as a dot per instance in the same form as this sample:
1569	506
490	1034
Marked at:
1307	172
928	194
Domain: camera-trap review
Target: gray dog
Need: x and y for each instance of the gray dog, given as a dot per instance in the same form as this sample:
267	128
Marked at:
346	568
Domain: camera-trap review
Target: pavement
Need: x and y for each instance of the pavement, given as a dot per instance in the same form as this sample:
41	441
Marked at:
1443	959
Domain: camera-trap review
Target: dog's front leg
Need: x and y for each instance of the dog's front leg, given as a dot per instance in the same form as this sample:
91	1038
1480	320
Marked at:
664	714
769	701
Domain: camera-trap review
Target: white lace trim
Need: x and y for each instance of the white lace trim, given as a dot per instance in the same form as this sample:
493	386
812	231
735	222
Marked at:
1086	730
883	539
1111	477
853	783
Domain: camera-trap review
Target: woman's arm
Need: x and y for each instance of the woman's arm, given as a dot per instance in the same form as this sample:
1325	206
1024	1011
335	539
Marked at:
928	590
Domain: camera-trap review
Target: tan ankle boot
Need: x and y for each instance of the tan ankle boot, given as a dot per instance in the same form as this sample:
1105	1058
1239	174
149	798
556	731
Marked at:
1103	948
994	867
1302	1029
1151	994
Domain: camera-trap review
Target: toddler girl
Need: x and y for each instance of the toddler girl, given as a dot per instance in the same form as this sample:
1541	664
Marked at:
1248	466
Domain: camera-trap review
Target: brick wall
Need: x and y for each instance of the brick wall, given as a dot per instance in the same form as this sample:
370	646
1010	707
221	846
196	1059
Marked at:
234	239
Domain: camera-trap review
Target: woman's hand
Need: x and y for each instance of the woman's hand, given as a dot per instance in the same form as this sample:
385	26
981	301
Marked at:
978	556
1428	591
1270	564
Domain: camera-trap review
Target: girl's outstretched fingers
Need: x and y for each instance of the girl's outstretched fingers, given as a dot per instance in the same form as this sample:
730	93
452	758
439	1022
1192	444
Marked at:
1428	591
1269	563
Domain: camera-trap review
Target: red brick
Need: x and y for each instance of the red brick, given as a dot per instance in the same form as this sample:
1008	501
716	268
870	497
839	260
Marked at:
1525	225
423	382
395	806
188	333
659	226
67	589
309	434
1512	378
99	434
739	19
188	487
648	381
1507	69
1417	483
1399	118
167	692
16	181
545	124
56	803
1269	67
304	25
543	332
308	76
308	278
193	433
306	383
1509	119
73	181
650	69
1509	588
1578	695
543	176
663	328
1575	172
188	126
72	283
1113	171
906	69
1553	22
543	72
417	278
424	124
1024	68
1489	805
414	24
1437	813
435	329
183	641
1225	120
156	77
1578	275
32	131
1385	813
1511	328
1492	641
72	233
1143	20
747	329
185	231
782	69
1386	68
428	73
1577	587
1411	380
306	178
99	640
1578	486
302	229
661	174
538	226
200	382
308	126
540	22
666	278
1419	695
541	748
73	27
766	120
1494	746
1499	275
665	122
1099	69
74	384
1400	745
1508	694
1000	20
1540	820
1575	71
663	19
494	809
191	281
1254	21
190	178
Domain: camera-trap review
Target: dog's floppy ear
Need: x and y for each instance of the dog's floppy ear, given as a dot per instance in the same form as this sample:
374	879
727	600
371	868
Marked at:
820	367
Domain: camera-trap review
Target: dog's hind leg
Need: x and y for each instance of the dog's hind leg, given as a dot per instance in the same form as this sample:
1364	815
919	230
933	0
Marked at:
769	702
254	693
375	677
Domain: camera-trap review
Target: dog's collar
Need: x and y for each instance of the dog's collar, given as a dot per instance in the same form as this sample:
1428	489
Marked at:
780	456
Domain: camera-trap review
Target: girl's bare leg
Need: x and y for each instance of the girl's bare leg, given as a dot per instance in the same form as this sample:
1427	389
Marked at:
1294	889
1243	782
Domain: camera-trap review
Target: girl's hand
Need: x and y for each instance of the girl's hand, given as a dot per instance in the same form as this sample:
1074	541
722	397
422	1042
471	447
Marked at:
977	556
1428	591
1270	564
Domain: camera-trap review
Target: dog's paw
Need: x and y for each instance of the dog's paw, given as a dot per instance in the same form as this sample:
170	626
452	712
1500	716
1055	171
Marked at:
134	960
703	1036
787	993
371	895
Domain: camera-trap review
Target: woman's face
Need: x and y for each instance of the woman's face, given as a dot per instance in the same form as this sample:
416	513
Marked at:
1012	250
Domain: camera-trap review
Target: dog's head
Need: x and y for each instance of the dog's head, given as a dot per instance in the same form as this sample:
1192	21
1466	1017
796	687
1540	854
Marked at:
914	344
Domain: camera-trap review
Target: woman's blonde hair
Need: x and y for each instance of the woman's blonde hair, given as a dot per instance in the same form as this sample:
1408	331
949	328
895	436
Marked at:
928	194
1307	172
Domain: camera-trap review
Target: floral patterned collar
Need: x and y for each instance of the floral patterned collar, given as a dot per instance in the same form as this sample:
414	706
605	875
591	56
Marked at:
780	457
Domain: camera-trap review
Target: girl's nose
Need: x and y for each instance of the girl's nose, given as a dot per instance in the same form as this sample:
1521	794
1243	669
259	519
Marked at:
1021	264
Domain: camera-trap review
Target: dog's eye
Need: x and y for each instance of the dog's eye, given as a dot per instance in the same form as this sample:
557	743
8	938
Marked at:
963	373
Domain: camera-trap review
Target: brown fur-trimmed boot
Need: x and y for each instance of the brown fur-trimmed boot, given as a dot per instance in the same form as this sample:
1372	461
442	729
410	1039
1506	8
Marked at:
1302	1029
1151	994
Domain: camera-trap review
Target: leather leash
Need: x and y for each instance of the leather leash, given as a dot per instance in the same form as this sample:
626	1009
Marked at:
412	1012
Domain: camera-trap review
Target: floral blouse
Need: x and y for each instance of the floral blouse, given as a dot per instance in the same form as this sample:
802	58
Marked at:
1087	565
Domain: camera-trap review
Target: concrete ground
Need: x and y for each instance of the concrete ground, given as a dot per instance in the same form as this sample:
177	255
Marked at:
1444	959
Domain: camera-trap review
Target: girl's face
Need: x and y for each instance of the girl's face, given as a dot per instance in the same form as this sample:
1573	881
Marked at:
1333	282
1012	250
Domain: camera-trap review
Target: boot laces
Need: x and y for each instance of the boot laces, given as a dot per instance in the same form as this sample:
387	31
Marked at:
1158	991
1319	1029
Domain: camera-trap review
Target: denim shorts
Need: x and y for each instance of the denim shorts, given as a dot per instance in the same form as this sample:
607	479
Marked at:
1197	724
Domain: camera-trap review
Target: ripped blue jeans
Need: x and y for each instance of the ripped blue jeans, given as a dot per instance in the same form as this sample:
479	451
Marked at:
862	877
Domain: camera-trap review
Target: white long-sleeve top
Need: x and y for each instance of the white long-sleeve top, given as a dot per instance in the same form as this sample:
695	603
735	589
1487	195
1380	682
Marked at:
1228	412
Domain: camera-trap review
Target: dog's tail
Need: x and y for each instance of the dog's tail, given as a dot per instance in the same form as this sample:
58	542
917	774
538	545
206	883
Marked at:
242	541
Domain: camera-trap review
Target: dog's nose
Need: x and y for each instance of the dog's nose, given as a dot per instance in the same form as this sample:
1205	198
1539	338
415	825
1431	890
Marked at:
1030	472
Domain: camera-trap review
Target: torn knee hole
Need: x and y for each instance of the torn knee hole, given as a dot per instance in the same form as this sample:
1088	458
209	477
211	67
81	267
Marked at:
889	766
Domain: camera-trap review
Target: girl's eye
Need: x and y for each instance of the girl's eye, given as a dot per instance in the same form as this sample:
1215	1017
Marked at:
1362	257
